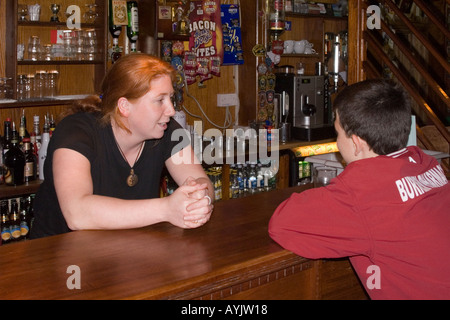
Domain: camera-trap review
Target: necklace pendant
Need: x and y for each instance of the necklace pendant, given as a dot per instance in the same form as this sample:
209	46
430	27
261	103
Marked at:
132	179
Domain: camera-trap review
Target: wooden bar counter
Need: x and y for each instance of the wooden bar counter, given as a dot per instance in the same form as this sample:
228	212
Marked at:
231	257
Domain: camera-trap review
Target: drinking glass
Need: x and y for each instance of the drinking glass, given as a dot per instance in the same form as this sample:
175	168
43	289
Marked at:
52	83
323	176
68	45
79	44
90	43
47	52
34	48
40	83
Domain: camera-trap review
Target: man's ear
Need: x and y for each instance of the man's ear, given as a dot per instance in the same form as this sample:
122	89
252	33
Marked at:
359	145
123	106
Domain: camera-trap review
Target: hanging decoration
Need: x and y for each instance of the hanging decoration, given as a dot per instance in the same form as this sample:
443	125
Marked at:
232	41
205	49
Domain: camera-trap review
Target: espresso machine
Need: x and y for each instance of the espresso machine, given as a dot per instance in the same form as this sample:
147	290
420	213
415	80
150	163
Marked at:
304	104
311	119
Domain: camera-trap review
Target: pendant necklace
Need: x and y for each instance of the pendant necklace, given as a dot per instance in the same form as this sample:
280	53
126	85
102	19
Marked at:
132	179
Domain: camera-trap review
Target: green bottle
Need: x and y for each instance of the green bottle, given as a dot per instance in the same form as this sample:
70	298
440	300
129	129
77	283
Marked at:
133	24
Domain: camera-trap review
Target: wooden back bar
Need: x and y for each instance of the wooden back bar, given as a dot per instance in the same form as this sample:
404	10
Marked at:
231	257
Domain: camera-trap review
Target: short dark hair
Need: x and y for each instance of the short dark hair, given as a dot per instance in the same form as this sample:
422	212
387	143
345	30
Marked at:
378	111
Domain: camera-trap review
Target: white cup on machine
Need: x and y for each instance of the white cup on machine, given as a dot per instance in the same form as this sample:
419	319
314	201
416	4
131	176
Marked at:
288	46
300	46
309	48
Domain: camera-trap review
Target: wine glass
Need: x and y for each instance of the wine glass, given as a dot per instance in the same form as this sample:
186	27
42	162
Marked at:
90	15
90	42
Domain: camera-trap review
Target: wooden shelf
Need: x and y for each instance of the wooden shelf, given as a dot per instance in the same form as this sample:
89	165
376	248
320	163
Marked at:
301	55
56	24
57	62
35	103
12	192
314	16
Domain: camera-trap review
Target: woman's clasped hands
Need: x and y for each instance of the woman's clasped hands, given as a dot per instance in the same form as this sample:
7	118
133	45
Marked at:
192	204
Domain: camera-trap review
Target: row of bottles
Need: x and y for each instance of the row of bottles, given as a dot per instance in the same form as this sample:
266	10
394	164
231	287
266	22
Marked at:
244	179
16	218
250	178
117	21
23	153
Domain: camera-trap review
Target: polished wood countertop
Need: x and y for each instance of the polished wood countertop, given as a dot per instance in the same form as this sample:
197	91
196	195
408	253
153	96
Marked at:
155	262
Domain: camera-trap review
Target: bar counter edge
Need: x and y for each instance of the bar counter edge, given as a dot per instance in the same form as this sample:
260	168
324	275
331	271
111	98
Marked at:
231	257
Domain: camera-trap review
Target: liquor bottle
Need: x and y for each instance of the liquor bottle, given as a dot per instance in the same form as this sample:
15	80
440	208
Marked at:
52	125
1	161
252	178
43	149
115	31
5	228
240	179
36	132
14	221
260	178
30	161
133	24
7	136
24	219
245	170
14	163
23	132
30	210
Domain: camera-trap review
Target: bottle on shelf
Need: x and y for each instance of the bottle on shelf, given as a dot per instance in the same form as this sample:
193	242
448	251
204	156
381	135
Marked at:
245	170
252	187
14	162
14	221
259	178
30	210
7	136
133	24
52	125
36	132
23	132
234	183
1	160
240	177
30	173
43	148
115	30
24	218
5	226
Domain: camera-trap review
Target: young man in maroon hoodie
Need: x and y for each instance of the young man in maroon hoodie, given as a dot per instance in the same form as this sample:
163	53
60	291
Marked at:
388	211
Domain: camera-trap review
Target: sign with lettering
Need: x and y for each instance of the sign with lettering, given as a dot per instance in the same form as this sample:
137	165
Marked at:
206	38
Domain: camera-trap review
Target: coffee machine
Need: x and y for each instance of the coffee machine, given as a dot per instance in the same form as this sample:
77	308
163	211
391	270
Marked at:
312	117
304	100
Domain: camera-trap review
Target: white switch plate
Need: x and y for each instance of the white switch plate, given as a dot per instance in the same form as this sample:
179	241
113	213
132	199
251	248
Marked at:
227	99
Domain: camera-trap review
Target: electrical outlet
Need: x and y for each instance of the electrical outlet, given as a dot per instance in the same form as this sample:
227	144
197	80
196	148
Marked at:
227	99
